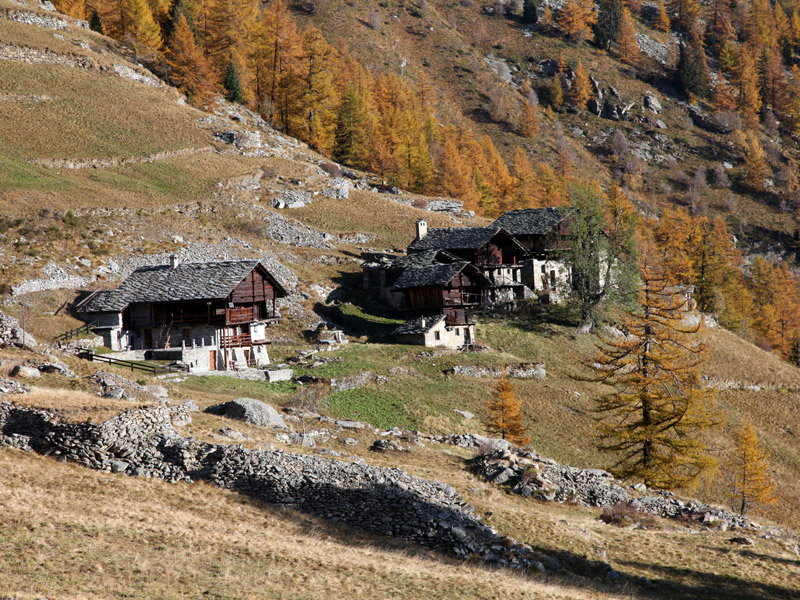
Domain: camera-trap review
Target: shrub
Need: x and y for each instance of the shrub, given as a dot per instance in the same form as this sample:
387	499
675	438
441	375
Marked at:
332	169
70	219
619	144
624	514
719	177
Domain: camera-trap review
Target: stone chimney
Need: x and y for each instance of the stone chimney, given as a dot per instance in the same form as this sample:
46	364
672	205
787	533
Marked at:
173	261
422	229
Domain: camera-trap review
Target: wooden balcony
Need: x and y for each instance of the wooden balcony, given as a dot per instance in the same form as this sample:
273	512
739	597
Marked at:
240	340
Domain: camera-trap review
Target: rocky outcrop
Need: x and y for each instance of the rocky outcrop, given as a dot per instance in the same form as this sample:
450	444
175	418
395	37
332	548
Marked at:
521	371
12	387
526	473
379	500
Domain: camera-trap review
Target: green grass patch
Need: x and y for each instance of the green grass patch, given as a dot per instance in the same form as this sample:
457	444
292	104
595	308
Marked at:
370	405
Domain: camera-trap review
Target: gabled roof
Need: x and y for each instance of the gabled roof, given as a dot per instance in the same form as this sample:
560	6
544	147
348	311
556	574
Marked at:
187	281
424	259
532	221
458	238
419	325
436	275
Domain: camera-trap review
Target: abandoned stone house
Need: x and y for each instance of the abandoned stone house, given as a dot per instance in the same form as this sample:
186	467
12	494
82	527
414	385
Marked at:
442	296
207	315
544	233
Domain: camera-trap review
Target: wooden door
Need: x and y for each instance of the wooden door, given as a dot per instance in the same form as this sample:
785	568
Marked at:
148	338
212	360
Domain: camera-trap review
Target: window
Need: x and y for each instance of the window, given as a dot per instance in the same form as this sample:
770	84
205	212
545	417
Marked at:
552	279
437	336
458	332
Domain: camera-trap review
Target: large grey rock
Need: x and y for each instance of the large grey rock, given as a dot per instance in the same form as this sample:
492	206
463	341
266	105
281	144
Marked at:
651	103
279	375
24	372
59	367
250	411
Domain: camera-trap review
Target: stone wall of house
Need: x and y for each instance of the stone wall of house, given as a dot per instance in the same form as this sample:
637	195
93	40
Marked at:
379	500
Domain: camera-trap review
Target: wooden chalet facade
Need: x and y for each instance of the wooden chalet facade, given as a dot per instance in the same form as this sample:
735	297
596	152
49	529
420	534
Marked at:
445	290
210	315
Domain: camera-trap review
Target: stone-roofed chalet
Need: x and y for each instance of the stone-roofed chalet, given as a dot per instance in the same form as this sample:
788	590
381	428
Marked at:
381	271
210	315
432	331
449	289
493	250
544	232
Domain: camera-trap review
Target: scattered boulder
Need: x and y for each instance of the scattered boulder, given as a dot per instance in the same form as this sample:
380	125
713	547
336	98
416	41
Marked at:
520	371
232	434
250	411
386	446
464	413
704	121
348	441
651	103
275	375
345	424
158	391
56	366
339	188
25	372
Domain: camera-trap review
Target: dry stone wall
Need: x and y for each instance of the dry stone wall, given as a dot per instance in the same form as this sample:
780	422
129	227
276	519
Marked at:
379	500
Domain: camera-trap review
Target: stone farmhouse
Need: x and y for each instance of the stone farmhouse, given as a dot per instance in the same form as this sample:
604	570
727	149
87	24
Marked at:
543	232
443	294
447	272
207	315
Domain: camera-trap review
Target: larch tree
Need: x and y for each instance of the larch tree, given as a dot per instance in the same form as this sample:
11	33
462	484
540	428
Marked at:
454	178
228	28
752	485
723	97
755	169
504	414
655	419
528	192
576	19
581	89
139	28
555	93
662	22
529	121
188	67
747	83
627	44
276	53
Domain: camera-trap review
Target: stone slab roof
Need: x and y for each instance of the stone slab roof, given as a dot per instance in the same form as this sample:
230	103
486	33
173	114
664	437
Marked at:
419	325
425	258
187	281
532	221
455	238
433	275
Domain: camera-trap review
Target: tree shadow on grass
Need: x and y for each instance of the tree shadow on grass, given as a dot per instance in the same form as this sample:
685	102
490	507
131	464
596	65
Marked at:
679	583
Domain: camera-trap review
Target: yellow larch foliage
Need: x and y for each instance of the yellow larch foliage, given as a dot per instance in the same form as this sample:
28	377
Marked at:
529	122
189	68
576	18
581	89
662	22
752	486
627	45
504	416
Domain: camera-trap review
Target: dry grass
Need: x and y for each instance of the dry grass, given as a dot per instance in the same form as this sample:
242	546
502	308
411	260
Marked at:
75	406
147	539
